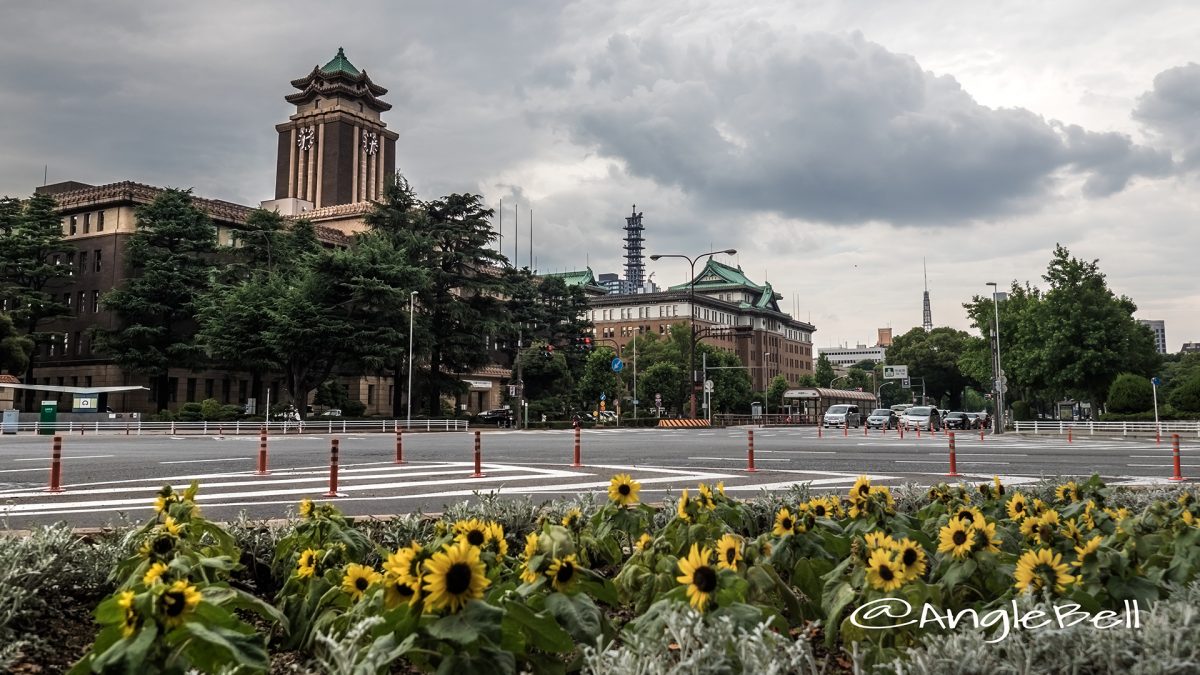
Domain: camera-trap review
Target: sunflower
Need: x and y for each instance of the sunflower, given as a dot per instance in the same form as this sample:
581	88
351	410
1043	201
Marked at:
729	552
1039	507
495	536
1117	514
562	572
956	538
177	601
528	575
453	576
879	539
571	518
861	489
405	563
130	621
472	531
705	497
1088	550
883	571
785	524
623	490
642	542
164	500
999	486
358	579
172	526
307	566
397	591
820	508
721	488
698	575
985	538
970	515
1188	519
1040	569
154	575
1017	507
1185	499
911	557
306	508
1046	527
160	546
1072	531
887	495
681	506
1067	493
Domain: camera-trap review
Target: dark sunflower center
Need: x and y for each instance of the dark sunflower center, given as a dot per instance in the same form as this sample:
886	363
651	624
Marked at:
458	578
361	584
173	603
705	579
959	538
404	589
966	515
163	545
786	523
820	511
730	555
565	572
475	538
623	489
886	573
909	558
1018	507
1046	572
864	490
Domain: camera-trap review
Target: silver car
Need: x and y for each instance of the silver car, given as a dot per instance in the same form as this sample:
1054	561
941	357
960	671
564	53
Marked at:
842	415
923	417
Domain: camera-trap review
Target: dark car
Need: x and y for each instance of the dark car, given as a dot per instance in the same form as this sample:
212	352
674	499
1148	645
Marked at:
958	420
501	417
883	418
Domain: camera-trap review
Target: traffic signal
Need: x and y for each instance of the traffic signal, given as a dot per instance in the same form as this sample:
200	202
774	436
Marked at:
548	351
584	343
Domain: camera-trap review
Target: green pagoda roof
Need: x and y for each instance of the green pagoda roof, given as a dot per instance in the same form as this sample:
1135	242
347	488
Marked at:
582	277
340	64
720	277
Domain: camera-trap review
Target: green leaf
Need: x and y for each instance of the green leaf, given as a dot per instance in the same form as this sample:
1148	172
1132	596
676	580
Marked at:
833	604
213	648
577	613
540	629
477	619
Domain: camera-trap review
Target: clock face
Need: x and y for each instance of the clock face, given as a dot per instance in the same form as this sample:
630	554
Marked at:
370	142
304	138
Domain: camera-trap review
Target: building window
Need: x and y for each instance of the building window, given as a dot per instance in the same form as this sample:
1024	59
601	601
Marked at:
226	386
78	344
96	260
100	221
87	380
95	301
370	394
87	223
74	225
209	387
82	262
66	338
191	390
70	264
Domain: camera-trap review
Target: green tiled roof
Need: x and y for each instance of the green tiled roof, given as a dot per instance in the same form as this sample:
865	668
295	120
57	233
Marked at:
582	277
718	276
340	63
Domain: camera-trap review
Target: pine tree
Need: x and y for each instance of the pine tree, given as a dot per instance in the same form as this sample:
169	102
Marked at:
169	264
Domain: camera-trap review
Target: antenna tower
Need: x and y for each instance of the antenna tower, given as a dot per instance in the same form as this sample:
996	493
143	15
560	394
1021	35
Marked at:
635	269
926	314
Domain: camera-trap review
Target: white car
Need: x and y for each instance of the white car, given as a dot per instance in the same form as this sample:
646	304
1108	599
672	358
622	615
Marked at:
922	417
842	415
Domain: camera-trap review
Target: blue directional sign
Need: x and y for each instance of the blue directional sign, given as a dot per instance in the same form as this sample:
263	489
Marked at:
603	397
617	364
1155	381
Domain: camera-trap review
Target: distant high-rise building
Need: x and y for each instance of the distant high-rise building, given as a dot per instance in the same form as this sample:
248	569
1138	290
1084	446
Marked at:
635	267
1160	333
926	313
610	282
1190	348
885	338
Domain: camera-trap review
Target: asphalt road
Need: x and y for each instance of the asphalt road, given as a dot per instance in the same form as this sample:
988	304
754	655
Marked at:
109	477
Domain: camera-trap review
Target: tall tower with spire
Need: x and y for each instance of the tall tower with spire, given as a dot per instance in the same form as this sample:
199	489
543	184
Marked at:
635	268
335	149
926	313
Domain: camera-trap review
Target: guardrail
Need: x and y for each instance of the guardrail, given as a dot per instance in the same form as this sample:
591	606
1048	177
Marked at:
239	427
730	420
1164	428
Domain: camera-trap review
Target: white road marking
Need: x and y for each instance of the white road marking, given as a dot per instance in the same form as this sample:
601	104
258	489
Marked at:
197	461
921	461
978	454
742	459
44	459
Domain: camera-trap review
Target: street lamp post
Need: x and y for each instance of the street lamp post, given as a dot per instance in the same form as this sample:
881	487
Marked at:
767	384
843	377
408	394
878	400
998	385
692	315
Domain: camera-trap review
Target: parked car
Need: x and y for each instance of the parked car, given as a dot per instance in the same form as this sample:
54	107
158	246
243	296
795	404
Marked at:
974	417
605	416
958	420
842	415
332	412
500	417
922	417
883	418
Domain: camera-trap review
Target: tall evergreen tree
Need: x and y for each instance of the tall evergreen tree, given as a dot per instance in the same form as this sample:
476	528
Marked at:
14	347
30	237
169	263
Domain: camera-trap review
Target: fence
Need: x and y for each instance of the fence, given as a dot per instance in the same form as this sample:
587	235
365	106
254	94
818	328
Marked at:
771	420
237	428
1164	428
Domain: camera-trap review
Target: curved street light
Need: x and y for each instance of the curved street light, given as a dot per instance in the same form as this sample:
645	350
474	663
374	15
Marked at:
692	314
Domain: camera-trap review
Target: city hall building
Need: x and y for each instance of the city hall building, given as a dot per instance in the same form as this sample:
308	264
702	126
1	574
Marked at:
335	155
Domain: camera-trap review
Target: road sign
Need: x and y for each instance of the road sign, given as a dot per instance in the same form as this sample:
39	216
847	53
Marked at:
906	383
1000	384
658	400
617	364
1156	382
895	372
708	385
603	397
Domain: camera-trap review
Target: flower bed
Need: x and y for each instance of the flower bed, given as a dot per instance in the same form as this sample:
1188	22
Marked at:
706	583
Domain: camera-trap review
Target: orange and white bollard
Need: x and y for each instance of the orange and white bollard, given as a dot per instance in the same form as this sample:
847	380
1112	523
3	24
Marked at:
478	458
400	445
980	433
918	431
262	452
1070	437
750	451
846	429
866	430
820	429
333	468
56	466
577	464
953	459
1175	452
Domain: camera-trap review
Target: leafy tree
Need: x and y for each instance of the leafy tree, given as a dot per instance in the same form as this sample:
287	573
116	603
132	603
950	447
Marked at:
731	380
598	378
14	347
824	371
666	379
31	237
775	391
934	356
169	264
1186	396
549	385
1130	393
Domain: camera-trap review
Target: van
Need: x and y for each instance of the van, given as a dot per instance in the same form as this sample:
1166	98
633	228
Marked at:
842	415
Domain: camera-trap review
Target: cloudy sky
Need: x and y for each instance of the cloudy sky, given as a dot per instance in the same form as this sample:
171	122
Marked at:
834	144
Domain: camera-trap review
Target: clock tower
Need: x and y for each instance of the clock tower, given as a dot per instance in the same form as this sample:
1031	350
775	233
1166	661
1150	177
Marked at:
334	149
